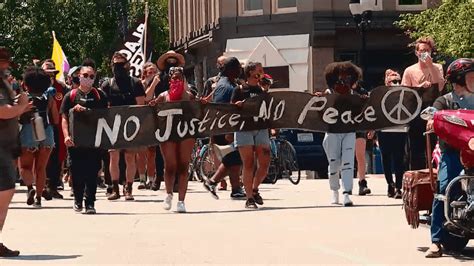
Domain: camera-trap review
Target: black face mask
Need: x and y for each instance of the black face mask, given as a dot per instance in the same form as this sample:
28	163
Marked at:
119	70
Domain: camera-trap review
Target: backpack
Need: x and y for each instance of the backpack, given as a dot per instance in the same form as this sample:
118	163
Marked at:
73	94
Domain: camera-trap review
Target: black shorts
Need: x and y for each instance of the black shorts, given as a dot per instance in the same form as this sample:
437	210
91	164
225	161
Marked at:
220	140
232	159
7	170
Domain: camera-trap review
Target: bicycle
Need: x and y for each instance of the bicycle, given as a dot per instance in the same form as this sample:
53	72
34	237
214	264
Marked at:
283	161
194	170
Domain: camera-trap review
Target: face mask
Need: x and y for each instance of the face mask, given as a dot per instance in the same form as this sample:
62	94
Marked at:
119	69
86	82
424	56
176	89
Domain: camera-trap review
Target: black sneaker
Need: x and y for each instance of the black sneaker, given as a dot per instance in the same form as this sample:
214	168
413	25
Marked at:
155	186
90	210
391	191
211	187
55	194
30	199
363	189
109	191
46	195
77	207
250	204
398	194
6	252
37	203
258	199
238	194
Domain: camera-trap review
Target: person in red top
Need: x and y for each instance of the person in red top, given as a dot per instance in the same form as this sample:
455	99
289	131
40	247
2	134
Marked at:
58	155
176	154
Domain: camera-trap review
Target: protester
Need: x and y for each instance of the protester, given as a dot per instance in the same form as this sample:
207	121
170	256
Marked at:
165	62
424	74
85	162
360	148
231	162
252	145
461	75
176	154
9	112
36	149
122	89
211	83
392	146
58	155
339	147
146	158
266	82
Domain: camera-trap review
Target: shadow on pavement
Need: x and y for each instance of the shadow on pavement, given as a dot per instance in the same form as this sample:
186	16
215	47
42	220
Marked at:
294	208
44	257
42	208
466	255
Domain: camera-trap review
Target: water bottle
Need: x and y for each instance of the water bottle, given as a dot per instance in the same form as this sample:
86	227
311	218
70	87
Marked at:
39	133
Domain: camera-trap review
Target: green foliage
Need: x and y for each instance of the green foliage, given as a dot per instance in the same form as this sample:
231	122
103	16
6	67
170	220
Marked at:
451	25
84	28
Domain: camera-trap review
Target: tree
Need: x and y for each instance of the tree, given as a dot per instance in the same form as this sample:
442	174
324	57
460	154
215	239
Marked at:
450	25
84	28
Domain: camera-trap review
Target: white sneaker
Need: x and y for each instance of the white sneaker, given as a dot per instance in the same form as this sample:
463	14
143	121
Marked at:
335	197
181	208
168	201
347	200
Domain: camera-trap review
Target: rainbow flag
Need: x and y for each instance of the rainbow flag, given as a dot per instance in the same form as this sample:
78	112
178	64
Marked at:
60	60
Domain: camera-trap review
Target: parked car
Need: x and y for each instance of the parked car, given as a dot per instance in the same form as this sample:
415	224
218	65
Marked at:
309	150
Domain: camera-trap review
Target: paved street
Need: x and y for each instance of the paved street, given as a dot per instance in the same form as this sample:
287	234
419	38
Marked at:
296	225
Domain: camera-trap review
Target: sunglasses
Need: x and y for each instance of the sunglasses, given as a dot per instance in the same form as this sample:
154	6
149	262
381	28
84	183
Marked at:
85	75
344	81
175	69
396	81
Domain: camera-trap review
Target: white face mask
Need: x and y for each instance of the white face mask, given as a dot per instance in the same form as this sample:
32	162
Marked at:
424	56
86	82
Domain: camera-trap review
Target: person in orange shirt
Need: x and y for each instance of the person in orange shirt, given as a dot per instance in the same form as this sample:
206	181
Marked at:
422	75
425	73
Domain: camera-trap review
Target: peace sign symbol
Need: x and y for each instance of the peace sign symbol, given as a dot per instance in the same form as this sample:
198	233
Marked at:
400	114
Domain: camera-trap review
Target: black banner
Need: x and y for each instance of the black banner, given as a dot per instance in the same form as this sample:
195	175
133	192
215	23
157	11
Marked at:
135	126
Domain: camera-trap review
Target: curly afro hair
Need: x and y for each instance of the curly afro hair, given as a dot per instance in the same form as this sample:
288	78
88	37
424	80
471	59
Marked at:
336	69
36	80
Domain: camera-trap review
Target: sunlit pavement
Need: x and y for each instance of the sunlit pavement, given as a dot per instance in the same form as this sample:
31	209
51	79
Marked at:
296	225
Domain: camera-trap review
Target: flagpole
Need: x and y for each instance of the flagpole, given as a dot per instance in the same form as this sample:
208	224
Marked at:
146	31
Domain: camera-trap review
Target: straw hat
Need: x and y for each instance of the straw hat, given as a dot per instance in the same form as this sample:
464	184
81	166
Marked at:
170	54
49	67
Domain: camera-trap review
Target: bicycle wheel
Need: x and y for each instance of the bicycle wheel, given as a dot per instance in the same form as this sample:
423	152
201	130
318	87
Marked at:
207	167
289	162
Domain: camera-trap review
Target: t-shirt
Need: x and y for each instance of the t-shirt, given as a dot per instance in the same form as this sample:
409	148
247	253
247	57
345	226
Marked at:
245	92
8	127
414	75
40	104
163	85
224	90
89	100
123	91
210	85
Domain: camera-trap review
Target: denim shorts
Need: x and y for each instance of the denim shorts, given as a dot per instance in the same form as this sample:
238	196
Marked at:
27	139
7	170
252	138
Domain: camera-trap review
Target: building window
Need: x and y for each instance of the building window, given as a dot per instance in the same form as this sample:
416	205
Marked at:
411	5
251	7
284	6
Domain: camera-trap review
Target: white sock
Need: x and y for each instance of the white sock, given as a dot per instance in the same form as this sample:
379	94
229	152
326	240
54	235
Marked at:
151	178
142	178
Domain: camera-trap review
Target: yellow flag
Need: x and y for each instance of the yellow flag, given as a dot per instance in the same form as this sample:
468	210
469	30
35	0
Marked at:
60	60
